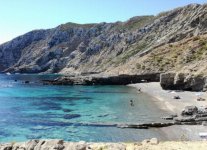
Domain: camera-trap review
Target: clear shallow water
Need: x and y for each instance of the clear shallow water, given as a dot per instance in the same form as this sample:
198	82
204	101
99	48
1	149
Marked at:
34	111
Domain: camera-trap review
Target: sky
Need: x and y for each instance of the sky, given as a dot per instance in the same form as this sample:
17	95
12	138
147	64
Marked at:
21	16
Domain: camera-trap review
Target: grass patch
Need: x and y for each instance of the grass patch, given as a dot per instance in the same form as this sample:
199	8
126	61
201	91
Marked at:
134	51
135	23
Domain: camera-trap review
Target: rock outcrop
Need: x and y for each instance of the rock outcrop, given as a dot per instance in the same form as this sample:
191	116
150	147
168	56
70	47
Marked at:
192	115
104	80
174	40
148	144
181	81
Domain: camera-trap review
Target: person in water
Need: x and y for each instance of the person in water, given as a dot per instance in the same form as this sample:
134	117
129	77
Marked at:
131	102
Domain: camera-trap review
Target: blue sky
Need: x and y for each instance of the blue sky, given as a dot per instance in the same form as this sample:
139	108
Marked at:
20	16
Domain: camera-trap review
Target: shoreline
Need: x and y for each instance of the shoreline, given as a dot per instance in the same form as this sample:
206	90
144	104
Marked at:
151	144
164	100
165	97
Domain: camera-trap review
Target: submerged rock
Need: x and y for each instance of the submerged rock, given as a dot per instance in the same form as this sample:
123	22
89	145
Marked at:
71	116
27	82
67	110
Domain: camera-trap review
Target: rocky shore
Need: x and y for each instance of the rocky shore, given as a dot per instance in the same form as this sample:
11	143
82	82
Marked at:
183	81
148	144
186	111
168	81
104	79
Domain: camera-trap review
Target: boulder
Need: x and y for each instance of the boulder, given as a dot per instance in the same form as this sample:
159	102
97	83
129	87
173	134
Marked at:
81	145
201	99
154	141
202	110
167	80
185	119
189	111
146	141
201	119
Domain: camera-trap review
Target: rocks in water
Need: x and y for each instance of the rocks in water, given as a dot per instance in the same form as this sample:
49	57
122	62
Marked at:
146	125
103	115
67	110
71	116
27	82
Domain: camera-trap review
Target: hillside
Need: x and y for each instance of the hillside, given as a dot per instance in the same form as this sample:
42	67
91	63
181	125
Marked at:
171	41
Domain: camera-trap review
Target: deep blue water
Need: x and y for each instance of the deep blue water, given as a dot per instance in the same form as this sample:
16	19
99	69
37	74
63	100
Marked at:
35	111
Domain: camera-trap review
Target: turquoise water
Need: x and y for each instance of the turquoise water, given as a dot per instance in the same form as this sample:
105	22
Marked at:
72	113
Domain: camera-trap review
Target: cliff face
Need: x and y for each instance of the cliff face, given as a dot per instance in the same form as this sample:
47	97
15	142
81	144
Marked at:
173	40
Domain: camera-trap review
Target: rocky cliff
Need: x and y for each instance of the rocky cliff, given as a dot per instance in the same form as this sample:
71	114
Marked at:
171	41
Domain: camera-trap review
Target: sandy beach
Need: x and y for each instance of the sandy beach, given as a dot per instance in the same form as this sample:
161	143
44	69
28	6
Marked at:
166	97
164	100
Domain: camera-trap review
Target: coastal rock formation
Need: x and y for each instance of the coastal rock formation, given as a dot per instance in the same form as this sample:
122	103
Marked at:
104	80
148	144
171	41
181	81
192	115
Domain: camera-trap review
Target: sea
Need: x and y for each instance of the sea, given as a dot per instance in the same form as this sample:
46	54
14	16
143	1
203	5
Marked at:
72	113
